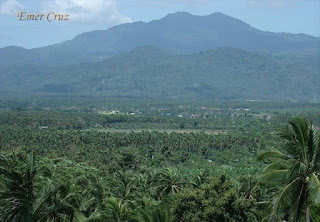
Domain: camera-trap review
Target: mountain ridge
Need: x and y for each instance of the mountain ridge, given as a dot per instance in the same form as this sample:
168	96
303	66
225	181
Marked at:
150	72
182	31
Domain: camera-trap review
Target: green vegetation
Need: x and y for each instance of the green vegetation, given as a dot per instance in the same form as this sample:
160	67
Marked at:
74	159
148	72
178	32
175	120
295	171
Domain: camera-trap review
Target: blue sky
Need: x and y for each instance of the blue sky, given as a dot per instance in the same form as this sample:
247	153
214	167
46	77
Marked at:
294	16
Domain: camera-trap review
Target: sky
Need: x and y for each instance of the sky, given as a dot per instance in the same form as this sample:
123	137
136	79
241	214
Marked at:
293	16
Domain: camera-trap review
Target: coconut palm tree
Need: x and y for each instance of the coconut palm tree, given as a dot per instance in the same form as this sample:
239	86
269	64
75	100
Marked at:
293	173
201	178
249	187
123	185
156	215
169	182
118	211
150	210
97	216
17	194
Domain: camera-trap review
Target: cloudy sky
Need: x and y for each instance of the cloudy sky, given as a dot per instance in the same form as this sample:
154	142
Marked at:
294	16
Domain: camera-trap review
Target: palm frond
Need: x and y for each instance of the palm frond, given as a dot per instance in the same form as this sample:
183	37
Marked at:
315	162
79	217
275	176
48	194
280	200
273	154
314	188
301	127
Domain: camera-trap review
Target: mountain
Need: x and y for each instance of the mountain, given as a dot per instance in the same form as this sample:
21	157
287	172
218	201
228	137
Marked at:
181	32
222	73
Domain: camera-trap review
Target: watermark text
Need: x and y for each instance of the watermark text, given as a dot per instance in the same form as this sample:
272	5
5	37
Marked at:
49	16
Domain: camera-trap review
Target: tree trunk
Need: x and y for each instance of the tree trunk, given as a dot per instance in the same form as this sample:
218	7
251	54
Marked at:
308	209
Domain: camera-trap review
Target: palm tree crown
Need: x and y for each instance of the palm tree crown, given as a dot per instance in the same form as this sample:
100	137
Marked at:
293	172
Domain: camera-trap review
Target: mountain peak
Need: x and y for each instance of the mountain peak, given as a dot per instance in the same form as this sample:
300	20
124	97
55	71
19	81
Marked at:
181	32
175	14
176	17
187	14
218	14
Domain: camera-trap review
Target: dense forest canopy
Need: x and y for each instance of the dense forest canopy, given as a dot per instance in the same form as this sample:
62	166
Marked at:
156	161
148	72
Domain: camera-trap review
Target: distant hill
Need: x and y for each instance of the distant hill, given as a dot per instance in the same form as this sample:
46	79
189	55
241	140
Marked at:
223	73
181	32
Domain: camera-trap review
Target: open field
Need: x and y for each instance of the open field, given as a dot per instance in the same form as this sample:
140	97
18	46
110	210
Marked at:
209	132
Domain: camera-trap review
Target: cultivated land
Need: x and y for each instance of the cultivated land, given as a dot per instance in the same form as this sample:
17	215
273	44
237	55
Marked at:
96	154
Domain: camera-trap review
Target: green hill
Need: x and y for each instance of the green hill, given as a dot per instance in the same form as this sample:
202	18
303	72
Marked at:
223	73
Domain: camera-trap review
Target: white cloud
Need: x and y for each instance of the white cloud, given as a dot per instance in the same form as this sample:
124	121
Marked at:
11	7
88	10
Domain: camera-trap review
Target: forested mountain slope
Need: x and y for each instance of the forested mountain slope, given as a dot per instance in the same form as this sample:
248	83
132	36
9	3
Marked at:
223	73
179	31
